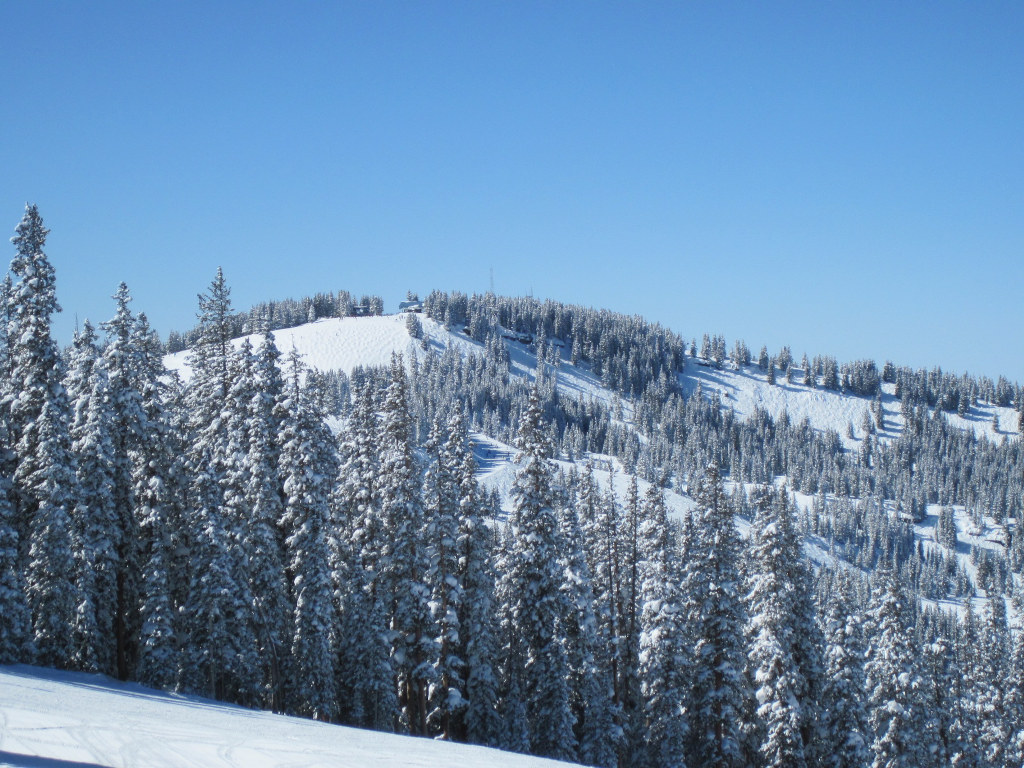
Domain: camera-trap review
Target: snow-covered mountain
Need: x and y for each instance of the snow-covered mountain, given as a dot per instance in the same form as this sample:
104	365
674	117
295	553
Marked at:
342	344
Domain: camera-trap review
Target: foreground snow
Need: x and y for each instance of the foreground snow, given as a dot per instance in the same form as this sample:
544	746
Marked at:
64	719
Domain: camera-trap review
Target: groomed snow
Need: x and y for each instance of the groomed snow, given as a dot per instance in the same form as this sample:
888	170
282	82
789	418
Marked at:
52	719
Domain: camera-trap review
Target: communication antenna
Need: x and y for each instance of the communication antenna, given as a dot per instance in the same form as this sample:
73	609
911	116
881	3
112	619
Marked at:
492	280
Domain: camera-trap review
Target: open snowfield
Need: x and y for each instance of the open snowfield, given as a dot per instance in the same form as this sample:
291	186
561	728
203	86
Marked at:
52	719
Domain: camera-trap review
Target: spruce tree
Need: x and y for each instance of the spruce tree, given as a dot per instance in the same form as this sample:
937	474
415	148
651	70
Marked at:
125	360
15	621
404	557
892	680
592	685
44	485
221	650
664	651
476	615
263	500
446	447
534	653
367	693
308	466
154	465
96	529
844	717
780	688
711	584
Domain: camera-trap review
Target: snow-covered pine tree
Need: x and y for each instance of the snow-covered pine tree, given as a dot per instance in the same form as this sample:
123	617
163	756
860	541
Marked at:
939	705
157	495
780	688
404	558
15	621
534	660
844	721
220	658
264	503
591	688
125	361
1015	702
479	720
367	695
629	617
96	529
664	652
996	647
445	448
308	465
599	520
710	586
44	477
892	680
154	465
963	695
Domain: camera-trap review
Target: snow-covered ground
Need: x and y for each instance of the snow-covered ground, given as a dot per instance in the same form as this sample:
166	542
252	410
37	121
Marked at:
52	719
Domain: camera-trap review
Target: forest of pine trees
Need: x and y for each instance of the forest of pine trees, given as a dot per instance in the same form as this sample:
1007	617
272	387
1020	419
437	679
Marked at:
214	536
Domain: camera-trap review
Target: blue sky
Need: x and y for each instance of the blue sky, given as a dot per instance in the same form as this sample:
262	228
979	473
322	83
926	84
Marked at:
845	178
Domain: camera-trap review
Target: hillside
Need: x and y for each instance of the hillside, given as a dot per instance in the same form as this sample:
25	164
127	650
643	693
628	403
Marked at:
343	344
51	719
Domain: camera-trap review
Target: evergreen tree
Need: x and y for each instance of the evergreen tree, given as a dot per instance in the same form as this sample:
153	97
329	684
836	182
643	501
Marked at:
711	586
96	530
995	649
534	653
367	694
591	685
308	466
44	477
664	654
154	465
476	616
404	559
445	447
15	621
772	597
892	680
221	648
629	616
263	499
844	718
158	492
124	359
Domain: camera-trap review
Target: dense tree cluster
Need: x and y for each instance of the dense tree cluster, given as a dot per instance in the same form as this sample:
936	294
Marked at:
213	535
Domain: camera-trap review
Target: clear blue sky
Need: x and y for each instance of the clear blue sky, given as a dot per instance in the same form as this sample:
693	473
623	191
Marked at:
844	177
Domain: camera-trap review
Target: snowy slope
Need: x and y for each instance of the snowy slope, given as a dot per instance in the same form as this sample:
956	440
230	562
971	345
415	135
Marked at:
341	344
52	719
747	389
